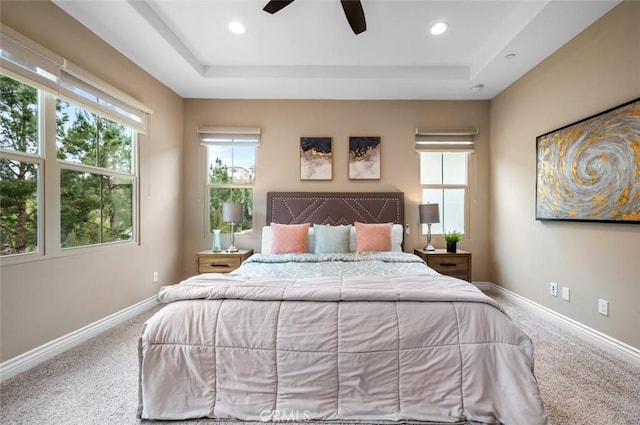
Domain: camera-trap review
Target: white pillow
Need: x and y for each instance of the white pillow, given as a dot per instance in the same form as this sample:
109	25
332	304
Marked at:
396	239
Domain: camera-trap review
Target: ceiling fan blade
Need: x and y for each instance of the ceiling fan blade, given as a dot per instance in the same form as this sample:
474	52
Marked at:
275	5
355	15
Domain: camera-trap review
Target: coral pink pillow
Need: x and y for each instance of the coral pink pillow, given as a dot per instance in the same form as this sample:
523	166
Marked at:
373	237
289	238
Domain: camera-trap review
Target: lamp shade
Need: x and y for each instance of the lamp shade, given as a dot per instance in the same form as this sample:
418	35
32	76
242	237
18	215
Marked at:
429	213
232	212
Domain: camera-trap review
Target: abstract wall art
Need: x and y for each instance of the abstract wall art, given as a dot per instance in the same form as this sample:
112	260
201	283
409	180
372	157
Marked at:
316	162
364	158
590	170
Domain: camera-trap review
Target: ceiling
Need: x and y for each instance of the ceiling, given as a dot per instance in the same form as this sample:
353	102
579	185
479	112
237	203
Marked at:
308	51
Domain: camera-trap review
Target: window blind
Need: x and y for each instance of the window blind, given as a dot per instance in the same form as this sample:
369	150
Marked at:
445	140
31	63
230	136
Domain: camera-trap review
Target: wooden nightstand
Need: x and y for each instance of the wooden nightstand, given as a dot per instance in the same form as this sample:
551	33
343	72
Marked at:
220	262
456	264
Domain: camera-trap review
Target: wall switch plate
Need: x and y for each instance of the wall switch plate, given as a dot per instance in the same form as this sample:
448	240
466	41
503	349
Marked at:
553	289
155	277
603	307
407	230
565	293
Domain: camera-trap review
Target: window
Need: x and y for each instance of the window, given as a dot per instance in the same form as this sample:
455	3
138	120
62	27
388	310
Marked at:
96	177
83	132
231	173
444	175
20	165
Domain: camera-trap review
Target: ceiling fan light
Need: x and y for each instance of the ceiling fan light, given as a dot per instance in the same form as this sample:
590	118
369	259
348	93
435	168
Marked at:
236	27
439	28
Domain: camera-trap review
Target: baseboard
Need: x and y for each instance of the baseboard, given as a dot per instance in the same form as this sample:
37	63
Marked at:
611	345
46	351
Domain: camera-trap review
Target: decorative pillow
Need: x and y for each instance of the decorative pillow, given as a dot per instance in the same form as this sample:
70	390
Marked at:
373	237
331	239
397	235
289	238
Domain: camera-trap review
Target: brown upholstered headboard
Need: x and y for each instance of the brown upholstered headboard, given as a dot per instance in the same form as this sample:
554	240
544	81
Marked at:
335	207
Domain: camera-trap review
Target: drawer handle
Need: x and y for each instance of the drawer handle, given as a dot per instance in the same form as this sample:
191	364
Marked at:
219	265
448	264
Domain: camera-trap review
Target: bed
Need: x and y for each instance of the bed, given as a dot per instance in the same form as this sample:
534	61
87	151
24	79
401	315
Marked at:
355	335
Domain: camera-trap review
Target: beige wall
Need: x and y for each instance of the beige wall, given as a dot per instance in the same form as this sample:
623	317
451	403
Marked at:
45	299
598	69
278	161
42	300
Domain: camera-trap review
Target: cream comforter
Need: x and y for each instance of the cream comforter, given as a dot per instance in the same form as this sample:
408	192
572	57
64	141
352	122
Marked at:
403	348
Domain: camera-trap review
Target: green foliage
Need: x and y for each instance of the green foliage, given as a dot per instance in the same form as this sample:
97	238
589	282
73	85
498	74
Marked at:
220	175
452	236
18	179
94	207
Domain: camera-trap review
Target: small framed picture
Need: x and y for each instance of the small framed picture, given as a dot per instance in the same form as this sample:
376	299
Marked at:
364	158
316	160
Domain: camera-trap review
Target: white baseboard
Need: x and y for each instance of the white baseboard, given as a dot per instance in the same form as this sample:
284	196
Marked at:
605	342
46	351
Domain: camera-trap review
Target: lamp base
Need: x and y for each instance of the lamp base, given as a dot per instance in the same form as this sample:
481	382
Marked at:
429	247
232	249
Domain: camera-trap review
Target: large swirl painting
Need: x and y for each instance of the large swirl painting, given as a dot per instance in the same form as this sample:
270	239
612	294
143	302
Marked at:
590	170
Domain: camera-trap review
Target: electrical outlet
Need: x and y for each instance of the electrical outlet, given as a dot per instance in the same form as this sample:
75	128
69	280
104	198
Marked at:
603	307
407	230
565	293
155	277
553	289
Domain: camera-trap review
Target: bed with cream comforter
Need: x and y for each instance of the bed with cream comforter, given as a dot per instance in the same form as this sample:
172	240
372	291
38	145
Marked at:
402	343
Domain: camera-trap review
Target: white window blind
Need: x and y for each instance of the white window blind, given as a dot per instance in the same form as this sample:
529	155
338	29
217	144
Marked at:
445	140
230	136
29	62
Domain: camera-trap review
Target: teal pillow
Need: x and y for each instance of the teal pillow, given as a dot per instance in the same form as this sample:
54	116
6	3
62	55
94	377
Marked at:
331	239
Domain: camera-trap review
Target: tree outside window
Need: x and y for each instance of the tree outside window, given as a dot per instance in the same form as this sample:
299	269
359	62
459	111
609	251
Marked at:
96	179
231	175
19	167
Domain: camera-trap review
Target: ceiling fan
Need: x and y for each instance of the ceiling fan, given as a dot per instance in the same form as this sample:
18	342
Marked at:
352	10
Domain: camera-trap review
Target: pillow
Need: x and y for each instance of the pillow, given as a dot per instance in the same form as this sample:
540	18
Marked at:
373	237
397	234
289	238
331	239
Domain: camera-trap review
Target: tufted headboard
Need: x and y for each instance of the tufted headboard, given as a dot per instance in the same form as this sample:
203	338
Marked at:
335	207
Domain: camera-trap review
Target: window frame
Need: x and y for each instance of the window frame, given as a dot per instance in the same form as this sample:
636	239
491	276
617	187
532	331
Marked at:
443	140
230	137
230	186
49	190
443	186
39	160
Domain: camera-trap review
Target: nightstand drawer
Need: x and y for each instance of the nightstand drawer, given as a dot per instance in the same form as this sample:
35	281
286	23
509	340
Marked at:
220	262
218	265
456	264
451	265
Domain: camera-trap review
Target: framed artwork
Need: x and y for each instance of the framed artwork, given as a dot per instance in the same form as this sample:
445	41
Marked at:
316	161
364	158
590	170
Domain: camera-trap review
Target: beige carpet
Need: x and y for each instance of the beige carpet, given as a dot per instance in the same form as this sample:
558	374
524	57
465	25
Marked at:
96	383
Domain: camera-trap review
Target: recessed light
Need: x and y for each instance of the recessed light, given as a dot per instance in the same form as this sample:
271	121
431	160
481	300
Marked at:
477	87
236	27
439	28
